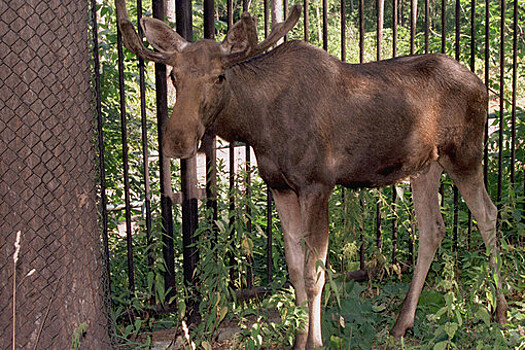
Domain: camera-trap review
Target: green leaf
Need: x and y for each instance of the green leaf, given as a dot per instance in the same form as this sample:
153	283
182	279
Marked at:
483	315
451	329
441	345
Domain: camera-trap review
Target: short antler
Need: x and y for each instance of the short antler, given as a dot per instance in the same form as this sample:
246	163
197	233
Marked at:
253	49
131	39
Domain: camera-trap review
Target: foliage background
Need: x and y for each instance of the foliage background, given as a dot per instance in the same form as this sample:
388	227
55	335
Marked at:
456	306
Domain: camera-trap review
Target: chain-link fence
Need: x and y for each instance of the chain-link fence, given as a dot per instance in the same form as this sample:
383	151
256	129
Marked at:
52	292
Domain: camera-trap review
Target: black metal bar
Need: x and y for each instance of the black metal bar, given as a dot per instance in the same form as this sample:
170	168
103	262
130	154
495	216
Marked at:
183	12
124	134
229	13
413	22
269	238
501	105
394	225
166	205
380	21
248	207
101	158
325	25
231	199
455	220
394	27
145	160
306	21
361	59
427	24
210	141
473	69
266	6
380	4
457	50
285	14
473	35
343	30
444	26
487	76
458	24
361	31
514	101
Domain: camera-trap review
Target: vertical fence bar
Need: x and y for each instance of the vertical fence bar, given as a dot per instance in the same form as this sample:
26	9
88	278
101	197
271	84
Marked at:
413	23
473	69
427	24
124	133
380	25
183	12
454	188
266	6
380	22
325	25
231	187
394	225
285	14
444	26
487	76
248	206
361	31
166	205
269	238
394	192
394	27
101	158
306	19
145	160
269	216
361	59
211	140
501	105
514	87
343	31
473	35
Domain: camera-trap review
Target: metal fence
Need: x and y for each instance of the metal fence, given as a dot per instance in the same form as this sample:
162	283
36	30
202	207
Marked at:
50	267
414	28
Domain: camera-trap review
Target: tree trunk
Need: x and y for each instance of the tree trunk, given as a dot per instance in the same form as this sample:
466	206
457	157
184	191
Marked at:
47	180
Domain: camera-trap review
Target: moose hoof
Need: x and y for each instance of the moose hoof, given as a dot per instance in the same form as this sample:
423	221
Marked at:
400	330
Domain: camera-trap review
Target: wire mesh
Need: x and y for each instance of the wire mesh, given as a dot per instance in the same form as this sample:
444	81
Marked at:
47	190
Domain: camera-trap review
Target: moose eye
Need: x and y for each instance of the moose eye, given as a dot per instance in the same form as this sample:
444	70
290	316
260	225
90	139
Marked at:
220	79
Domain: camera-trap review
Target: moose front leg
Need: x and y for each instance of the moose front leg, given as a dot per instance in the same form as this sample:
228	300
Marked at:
314	211
287	205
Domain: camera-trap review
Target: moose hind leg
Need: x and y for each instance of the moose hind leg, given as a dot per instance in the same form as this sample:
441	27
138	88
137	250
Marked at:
472	188
287	205
431	231
314	210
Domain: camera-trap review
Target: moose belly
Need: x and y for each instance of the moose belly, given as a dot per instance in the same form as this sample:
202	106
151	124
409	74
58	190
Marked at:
376	171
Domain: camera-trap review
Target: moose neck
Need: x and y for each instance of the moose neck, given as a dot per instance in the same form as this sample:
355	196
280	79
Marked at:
253	85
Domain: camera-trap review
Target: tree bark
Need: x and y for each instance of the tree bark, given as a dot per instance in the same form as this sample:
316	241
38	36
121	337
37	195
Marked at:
47	180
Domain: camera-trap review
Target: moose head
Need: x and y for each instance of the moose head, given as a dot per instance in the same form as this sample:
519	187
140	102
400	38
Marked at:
198	70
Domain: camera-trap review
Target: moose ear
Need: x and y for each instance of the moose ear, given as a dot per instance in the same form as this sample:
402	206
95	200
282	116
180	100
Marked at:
161	36
242	35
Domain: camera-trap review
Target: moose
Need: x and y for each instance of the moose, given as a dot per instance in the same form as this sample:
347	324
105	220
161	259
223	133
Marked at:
314	122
